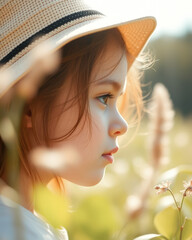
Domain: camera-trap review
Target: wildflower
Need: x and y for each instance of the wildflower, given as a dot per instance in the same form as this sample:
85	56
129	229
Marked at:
162	187
188	188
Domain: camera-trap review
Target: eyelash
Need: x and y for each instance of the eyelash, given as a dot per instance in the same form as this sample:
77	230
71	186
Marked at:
105	97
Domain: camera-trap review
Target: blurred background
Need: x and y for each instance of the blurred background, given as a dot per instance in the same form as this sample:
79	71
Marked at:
125	200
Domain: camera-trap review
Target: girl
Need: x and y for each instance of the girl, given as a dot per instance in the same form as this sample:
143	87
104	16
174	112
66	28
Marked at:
76	106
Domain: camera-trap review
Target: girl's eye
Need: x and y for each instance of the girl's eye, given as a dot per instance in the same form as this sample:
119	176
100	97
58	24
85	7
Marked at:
104	98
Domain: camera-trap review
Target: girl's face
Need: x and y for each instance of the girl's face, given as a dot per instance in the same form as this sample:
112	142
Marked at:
94	147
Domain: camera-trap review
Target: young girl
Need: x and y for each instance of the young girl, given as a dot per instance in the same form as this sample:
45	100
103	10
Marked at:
76	106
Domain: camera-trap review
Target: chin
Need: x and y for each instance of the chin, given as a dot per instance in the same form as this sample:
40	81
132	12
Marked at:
95	179
91	180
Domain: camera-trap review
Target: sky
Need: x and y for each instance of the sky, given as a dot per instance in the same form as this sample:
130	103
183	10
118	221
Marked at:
174	17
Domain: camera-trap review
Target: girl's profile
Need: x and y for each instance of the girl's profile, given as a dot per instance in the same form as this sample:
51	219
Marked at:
79	105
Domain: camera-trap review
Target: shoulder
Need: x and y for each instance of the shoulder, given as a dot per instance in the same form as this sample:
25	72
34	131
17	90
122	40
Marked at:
18	223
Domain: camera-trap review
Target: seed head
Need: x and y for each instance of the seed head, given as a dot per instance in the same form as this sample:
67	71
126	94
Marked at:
188	188
162	187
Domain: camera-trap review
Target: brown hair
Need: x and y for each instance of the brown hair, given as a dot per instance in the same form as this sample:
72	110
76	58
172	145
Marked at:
78	59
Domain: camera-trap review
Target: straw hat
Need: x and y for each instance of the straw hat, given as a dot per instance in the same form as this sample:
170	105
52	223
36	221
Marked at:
60	21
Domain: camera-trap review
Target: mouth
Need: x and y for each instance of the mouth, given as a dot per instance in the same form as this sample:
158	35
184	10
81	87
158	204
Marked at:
108	156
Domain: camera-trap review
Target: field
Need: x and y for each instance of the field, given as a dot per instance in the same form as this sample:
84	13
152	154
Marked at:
124	204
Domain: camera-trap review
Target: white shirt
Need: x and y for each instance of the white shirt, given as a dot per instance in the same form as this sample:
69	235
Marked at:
16	222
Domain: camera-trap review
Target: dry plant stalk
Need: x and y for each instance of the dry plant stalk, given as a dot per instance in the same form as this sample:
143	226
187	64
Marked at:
161	121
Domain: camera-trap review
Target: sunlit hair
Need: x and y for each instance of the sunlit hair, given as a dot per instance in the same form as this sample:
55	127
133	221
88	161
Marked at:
78	60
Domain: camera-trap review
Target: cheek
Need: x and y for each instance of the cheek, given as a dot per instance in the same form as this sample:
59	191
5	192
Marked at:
99	123
62	123
88	138
91	135
99	127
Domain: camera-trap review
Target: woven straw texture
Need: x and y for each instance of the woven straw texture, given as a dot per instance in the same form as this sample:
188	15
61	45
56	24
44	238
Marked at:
23	23
19	21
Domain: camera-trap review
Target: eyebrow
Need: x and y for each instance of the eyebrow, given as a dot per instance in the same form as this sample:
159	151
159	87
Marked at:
114	84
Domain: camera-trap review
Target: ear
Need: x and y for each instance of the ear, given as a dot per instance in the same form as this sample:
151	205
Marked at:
28	119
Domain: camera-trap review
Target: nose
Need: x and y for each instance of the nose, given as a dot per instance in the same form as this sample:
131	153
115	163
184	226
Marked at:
118	125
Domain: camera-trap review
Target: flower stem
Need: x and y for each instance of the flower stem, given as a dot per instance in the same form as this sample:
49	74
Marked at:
182	226
181	229
184	195
168	189
179	211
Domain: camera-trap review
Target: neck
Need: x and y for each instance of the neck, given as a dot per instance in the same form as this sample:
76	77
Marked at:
21	197
25	191
25	188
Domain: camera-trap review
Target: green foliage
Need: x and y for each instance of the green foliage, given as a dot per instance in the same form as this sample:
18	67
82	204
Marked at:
166	222
187	231
53	207
93	219
170	222
177	175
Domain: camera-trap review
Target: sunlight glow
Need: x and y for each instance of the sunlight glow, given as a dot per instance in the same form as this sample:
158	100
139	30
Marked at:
173	16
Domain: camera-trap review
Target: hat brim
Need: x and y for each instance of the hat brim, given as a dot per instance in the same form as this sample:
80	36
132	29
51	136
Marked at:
134	32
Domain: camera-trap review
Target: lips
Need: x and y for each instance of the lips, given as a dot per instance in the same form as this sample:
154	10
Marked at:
114	150
108	156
